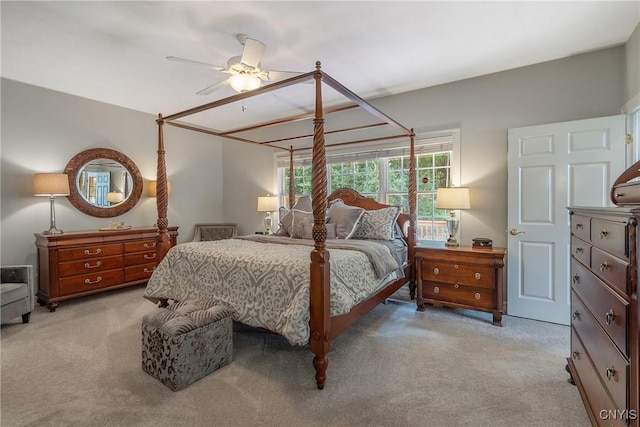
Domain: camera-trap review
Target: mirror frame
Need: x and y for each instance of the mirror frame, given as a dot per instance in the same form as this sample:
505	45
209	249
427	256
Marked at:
79	160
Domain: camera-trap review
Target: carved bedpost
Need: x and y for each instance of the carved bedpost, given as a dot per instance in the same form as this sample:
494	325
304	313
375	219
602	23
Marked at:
164	243
320	300
292	184
412	213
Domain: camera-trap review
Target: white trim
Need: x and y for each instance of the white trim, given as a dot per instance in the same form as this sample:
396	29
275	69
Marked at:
632	106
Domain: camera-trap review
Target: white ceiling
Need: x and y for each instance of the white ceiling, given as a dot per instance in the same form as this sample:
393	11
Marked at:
115	52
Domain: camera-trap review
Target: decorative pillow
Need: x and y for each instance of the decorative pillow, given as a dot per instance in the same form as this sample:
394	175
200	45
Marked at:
299	219
378	224
345	218
308	230
286	218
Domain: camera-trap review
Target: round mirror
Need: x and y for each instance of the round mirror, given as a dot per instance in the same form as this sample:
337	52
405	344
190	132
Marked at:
103	182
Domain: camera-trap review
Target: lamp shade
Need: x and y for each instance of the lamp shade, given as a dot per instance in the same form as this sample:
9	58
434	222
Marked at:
267	203
50	184
244	82
151	188
453	198
115	197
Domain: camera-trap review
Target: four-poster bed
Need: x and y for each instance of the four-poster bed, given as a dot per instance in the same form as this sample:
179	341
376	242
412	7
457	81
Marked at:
323	326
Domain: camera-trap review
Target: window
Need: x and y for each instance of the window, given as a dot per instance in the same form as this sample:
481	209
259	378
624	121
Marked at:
383	174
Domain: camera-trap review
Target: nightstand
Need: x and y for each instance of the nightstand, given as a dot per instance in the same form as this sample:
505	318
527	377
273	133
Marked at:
462	277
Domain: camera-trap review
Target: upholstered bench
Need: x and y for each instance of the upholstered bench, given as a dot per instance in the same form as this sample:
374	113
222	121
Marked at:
186	341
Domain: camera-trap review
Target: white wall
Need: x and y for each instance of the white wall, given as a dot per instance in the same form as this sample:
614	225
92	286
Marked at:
484	108
42	130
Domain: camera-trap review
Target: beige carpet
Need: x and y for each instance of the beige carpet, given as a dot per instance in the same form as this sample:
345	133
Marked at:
80	366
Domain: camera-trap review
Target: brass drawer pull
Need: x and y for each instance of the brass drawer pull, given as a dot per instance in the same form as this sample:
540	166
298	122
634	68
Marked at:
89	282
456	286
611	372
149	256
455	266
97	252
152	245
608	318
477	276
603	234
87	265
436	271
436	290
575	354
477	295
146	270
604	266
575	315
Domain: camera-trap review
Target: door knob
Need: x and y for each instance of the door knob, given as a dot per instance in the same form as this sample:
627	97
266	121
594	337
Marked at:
515	231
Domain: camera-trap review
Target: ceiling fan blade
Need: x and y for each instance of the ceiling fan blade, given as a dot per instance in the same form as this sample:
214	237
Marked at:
213	87
252	52
189	61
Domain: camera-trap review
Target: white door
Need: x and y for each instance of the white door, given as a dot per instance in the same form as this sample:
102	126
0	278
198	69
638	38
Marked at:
551	167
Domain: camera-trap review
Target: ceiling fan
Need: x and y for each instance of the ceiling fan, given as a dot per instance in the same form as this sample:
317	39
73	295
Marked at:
245	70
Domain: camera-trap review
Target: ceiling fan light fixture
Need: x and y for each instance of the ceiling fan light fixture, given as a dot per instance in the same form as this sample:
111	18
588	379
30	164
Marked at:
244	82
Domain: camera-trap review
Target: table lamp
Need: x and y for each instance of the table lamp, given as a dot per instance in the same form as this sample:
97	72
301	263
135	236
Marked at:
268	204
452	198
51	185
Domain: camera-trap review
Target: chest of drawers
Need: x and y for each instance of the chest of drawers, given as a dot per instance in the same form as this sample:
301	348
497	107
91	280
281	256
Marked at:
460	276
604	313
75	264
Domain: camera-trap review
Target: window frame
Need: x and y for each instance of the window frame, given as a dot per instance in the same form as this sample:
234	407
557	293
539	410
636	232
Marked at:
383	193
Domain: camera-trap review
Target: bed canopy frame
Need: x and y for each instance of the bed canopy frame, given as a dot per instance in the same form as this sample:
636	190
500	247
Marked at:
323	327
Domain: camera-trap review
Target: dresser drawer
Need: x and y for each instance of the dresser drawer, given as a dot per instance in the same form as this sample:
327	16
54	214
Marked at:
597	399
140	258
581	250
581	227
74	268
608	308
141	246
610	236
610	269
139	272
461	274
446	292
90	282
611	366
88	252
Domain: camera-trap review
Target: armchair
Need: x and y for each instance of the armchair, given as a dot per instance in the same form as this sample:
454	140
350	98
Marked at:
16	292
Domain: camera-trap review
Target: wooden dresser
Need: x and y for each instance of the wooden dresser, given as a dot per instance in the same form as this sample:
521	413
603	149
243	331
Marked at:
79	263
460	276
604	313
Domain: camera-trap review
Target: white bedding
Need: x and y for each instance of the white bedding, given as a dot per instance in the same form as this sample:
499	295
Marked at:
267	284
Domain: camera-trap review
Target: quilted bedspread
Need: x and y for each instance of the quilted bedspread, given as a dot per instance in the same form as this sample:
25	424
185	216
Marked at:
266	283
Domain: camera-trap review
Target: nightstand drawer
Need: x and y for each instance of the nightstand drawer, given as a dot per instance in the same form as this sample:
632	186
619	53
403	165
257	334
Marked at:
452	293
458	274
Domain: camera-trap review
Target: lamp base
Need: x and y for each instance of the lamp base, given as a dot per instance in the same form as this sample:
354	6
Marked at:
268	223
52	230
452	242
